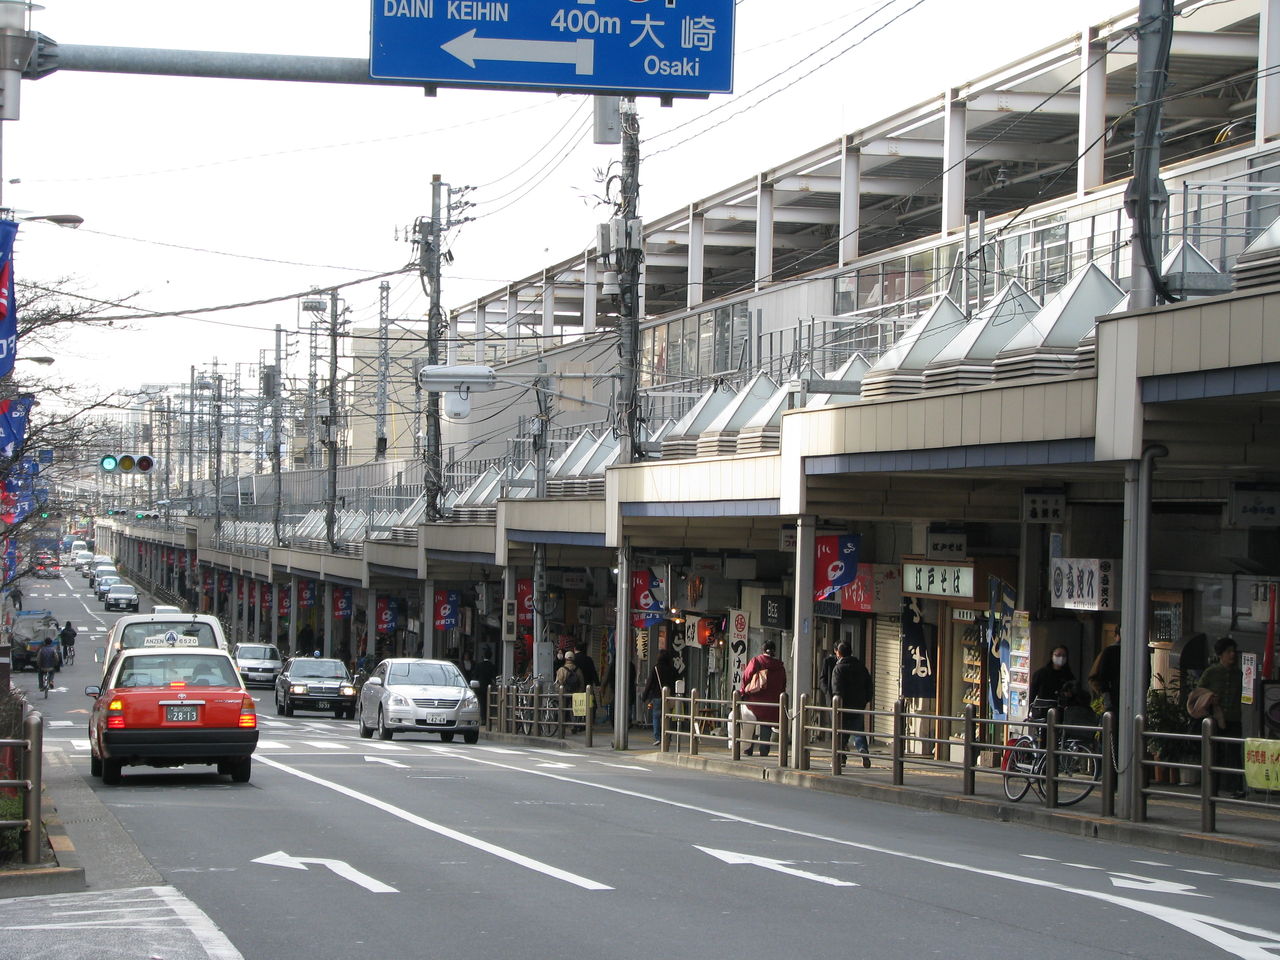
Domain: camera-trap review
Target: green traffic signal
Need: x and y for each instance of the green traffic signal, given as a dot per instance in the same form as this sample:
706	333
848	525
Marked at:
109	462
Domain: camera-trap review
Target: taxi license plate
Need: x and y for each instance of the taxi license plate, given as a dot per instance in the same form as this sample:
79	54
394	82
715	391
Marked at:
180	713
322	704
436	718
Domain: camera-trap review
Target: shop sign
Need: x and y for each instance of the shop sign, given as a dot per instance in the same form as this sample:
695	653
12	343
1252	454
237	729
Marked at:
388	615
306	594
787	539
829	609
208	581
524	603
1260	602
1044	506
224	583
284	607
642	644
775	612
739	625
924	578
1254	505
919	654
646	598
835	564
342	602
1262	763
446	609
707	566
1248	677
266	597
947	546
877	588
574	580
1084	583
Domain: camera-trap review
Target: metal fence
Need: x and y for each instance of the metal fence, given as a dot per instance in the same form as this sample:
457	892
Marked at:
28	781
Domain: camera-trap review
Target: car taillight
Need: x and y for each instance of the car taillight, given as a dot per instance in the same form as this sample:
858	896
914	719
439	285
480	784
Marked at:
248	715
115	714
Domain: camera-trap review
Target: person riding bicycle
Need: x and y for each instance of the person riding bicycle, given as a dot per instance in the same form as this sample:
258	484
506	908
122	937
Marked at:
47	662
68	637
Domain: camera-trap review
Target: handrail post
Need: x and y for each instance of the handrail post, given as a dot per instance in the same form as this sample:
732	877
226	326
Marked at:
662	737
693	722
1108	765
1051	758
591	699
560	710
837	761
735	726
1208	811
899	731
784	740
33	728
799	738
969	754
1138	775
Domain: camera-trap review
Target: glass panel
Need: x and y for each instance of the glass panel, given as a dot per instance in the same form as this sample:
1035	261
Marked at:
648	362
846	294
675	365
740	338
920	275
706	343
870	289
724	339
895	279
691	346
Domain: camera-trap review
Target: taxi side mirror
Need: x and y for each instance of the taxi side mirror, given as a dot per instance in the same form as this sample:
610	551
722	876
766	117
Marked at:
475	684
373	682
92	691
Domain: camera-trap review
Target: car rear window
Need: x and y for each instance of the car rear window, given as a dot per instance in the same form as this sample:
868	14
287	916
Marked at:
156	634
121	590
425	674
177	668
318	668
254	652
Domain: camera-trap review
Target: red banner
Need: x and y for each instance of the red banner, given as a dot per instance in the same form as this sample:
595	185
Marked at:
224	583
284	600
208	581
239	590
266	596
524	603
388	615
306	594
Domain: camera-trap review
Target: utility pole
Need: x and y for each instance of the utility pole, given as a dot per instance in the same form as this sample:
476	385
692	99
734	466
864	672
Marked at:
429	266
217	455
1146	196
331	500
384	370
276	398
313	412
627	252
168	453
191	442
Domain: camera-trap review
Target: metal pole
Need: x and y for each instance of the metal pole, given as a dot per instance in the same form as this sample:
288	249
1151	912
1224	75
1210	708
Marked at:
622	692
217	454
331	434
276	400
191	442
429	265
168	453
1146	196
32	772
628	259
384	370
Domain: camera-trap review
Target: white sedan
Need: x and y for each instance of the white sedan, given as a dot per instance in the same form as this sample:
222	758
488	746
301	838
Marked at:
420	696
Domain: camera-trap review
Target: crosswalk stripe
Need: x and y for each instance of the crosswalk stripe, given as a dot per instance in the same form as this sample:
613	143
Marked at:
326	745
388	747
272	745
79	746
516	753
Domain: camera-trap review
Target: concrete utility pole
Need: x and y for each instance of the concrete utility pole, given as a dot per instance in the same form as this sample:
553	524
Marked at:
331	433
191	443
429	235
168	454
384	369
1146	197
217	454
277	398
313	412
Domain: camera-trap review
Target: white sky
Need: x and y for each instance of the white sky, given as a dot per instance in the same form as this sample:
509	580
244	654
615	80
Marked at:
323	175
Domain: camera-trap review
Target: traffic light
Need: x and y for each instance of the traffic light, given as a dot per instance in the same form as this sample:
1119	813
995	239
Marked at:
127	463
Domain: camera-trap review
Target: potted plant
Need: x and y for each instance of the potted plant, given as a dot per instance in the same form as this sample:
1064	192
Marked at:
1167	713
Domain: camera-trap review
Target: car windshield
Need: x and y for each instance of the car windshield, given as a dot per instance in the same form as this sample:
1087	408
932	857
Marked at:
156	633
254	652
331	669
177	669
424	675
121	590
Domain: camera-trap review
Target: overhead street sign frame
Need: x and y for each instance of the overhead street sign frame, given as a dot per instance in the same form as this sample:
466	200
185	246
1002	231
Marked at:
666	48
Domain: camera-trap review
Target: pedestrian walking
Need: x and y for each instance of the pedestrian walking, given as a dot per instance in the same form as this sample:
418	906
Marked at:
15	597
568	681
763	683
851	682
589	678
1224	682
663	676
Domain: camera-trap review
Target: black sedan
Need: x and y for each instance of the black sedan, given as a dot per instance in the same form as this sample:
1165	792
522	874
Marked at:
315	683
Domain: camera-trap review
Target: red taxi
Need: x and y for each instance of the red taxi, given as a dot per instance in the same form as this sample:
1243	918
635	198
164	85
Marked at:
170	706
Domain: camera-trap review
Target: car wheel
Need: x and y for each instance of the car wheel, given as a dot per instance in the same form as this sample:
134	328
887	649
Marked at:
446	738
383	732
241	770
471	736
95	766
366	731
111	771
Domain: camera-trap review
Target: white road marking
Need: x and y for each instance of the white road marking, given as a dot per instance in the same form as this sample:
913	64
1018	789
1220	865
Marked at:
1135	882
1269	884
340	867
555	753
557	766
79	746
1201	873
60	723
779	866
326	745
620	766
1152	863
1033	856
515	753
273	745
387	761
389	747
474	842
1080	866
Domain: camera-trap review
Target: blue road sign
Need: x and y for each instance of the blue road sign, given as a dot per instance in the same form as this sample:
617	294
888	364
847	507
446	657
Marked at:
670	47
46	456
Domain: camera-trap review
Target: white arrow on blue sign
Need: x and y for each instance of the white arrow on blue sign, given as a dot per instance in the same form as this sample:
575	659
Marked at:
670	47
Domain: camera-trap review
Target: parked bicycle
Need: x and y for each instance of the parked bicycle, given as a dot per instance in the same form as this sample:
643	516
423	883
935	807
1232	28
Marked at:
1026	762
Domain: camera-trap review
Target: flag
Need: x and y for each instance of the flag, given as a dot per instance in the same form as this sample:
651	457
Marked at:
646	598
8	308
446	609
835	564
388	614
14	412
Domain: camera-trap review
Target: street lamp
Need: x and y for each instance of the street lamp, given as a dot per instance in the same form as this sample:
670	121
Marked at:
43	361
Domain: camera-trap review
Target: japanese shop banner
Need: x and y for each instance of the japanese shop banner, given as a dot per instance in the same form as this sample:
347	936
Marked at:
266	596
342	602
446	609
283	607
8	306
646	598
919	653
1262	763
306	594
877	588
388	615
208	581
835	564
524	603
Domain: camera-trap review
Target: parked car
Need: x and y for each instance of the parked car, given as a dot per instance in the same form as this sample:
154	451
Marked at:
121	596
170	707
103	584
259	663
315	683
423	696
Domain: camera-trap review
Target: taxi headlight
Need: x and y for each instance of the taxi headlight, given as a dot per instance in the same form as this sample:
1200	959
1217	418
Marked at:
347	690
298	688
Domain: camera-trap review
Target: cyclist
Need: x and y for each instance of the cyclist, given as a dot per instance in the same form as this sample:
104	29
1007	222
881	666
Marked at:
46	663
68	638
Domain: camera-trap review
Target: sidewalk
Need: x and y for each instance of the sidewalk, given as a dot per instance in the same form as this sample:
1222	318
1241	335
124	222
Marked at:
1245	834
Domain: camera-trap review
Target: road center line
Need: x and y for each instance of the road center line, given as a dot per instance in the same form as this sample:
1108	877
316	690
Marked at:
501	852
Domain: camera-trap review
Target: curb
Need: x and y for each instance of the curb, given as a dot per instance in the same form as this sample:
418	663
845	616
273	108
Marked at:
65	875
1170	839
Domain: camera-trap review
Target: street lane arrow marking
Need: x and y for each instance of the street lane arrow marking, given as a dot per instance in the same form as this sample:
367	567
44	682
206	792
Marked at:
389	763
62	723
1270	884
580	54
728	856
340	867
1134	882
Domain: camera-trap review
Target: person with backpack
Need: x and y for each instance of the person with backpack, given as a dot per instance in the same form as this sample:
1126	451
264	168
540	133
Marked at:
763	683
47	661
851	682
568	682
68	637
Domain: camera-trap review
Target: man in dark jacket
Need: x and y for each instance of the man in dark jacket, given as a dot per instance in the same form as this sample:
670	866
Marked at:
851	682
590	677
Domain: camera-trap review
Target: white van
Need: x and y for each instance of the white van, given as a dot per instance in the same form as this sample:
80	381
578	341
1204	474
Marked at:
164	630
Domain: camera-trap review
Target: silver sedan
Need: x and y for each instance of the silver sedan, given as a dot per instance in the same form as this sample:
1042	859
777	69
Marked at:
423	696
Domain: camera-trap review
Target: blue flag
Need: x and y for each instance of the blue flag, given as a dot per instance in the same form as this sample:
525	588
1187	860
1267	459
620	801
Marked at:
13	422
8	307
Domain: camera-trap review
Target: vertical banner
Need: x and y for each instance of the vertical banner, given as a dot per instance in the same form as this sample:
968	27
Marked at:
224	583
8	308
14	412
283	597
208	581
388	615
342	602
446	609
524	603
306	594
919	654
999	619
835	564
646	600
266	597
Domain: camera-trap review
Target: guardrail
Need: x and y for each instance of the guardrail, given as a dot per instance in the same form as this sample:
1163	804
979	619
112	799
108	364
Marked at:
28	782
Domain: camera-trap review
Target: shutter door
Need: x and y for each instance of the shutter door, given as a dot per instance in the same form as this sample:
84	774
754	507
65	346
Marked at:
886	670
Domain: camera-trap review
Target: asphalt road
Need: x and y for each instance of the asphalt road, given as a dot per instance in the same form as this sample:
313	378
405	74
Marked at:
418	849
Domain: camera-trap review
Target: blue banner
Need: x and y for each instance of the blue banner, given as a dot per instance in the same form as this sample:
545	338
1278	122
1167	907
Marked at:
919	653
13	422
999	619
8	307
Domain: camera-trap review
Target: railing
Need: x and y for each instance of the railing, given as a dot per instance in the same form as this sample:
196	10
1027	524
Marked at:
28	782
531	708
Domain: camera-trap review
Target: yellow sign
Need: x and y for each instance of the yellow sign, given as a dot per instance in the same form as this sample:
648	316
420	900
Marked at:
1262	763
580	705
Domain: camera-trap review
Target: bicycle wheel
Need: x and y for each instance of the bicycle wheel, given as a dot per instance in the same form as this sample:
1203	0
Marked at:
1019	760
523	715
1077	773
